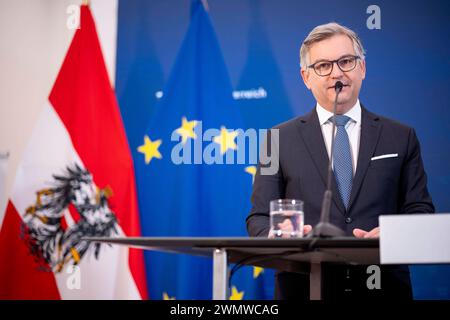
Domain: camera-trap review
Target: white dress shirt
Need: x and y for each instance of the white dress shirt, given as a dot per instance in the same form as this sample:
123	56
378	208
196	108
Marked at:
353	128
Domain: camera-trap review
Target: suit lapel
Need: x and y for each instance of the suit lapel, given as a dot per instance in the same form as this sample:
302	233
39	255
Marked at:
312	137
370	132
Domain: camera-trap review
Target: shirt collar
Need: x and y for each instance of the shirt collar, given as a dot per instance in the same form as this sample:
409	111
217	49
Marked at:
324	115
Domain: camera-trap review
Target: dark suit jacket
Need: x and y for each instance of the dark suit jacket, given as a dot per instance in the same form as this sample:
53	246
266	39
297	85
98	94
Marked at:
385	186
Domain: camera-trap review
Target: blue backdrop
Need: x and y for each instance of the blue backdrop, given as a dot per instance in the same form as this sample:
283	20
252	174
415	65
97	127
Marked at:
408	79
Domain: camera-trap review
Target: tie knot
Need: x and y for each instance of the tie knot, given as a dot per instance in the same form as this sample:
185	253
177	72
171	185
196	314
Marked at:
341	120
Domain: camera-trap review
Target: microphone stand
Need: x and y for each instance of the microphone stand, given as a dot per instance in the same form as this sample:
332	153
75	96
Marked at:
325	229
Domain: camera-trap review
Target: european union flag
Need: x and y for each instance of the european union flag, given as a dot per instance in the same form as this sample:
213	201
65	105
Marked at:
191	179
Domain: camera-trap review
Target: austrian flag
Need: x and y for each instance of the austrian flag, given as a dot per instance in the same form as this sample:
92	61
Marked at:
76	179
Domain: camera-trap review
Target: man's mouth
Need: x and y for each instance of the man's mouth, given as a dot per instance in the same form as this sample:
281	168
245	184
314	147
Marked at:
345	85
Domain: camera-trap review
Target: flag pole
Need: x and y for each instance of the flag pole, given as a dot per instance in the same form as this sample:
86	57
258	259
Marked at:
205	5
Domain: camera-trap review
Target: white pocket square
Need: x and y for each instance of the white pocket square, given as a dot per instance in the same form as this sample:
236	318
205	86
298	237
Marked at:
384	156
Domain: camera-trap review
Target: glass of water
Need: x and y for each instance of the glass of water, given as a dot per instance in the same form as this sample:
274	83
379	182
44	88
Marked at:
286	218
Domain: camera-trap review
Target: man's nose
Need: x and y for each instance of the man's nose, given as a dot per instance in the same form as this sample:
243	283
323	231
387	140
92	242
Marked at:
336	72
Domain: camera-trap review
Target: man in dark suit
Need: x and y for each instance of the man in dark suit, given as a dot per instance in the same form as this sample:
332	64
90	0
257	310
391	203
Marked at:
376	161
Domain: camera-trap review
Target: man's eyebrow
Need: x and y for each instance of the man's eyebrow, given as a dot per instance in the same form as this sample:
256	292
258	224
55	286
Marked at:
320	60
325	60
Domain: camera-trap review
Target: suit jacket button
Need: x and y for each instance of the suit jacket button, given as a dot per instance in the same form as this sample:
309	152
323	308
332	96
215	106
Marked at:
348	220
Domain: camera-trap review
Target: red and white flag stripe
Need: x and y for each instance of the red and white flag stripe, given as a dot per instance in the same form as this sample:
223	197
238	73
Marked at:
80	125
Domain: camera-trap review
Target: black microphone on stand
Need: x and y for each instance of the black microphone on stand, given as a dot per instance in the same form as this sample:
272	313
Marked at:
325	229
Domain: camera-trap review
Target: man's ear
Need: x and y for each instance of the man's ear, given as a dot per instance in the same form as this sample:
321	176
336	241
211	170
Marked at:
363	68
305	76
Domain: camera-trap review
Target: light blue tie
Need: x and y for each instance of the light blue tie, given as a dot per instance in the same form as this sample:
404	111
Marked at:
342	159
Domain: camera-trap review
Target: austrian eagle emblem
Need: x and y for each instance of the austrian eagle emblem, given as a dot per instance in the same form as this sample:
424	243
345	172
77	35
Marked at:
62	215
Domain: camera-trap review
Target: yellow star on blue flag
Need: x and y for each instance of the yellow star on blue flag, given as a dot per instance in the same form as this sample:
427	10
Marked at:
257	271
167	297
235	294
226	140
251	170
150	149
187	129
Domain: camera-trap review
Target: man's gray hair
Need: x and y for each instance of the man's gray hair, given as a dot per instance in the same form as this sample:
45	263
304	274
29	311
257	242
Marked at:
326	31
